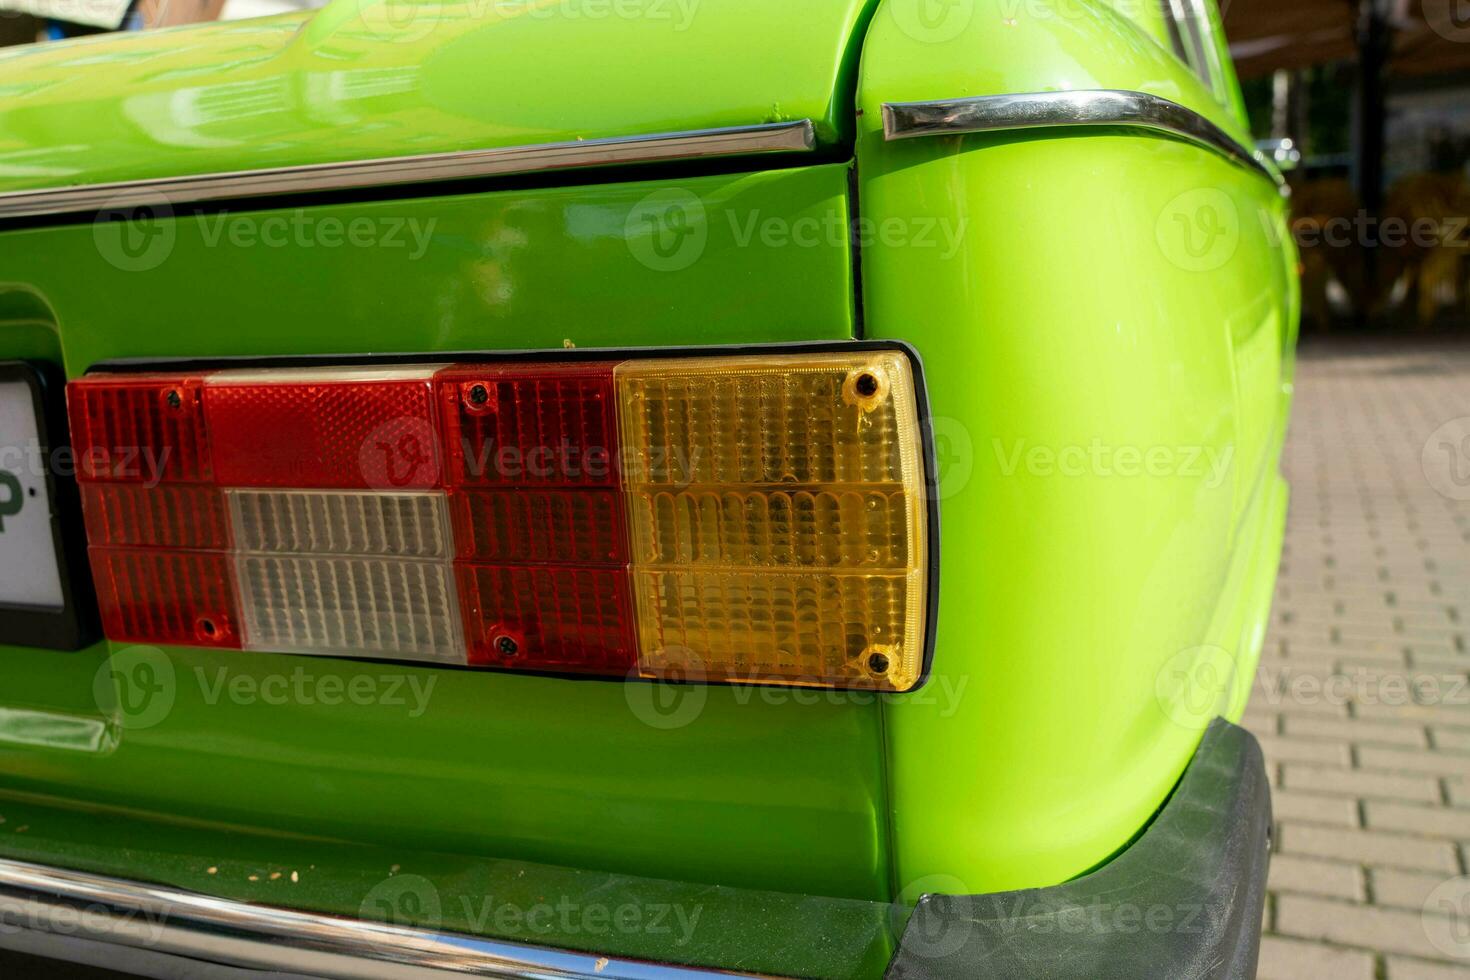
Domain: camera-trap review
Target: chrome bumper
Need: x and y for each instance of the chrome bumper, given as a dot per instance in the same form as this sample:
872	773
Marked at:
155	931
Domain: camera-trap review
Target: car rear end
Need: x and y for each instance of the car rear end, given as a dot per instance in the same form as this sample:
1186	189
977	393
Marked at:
487	525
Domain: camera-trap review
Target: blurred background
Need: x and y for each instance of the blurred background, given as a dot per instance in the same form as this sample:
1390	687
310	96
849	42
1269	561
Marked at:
1374	96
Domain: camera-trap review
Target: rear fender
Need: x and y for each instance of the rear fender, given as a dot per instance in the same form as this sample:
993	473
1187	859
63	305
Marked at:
1102	313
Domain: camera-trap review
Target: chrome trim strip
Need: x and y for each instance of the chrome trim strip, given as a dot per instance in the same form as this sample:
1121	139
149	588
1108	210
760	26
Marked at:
787	137
1039	110
164	920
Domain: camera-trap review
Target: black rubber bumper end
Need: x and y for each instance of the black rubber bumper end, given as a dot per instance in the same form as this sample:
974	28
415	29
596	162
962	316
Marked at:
1183	902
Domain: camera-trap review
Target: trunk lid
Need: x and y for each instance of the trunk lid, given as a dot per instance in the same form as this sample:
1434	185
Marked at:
360	80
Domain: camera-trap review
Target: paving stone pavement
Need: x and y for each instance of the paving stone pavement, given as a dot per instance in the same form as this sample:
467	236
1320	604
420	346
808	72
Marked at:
1362	701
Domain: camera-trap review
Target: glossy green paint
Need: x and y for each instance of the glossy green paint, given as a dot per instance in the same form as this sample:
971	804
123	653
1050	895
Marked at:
1106	372
591	775
517	269
362	79
1067	291
1147	14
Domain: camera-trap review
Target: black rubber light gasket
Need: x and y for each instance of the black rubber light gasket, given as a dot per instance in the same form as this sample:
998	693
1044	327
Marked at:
929	464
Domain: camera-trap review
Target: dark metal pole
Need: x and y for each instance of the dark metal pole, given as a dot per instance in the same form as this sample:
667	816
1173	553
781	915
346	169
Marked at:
1375	44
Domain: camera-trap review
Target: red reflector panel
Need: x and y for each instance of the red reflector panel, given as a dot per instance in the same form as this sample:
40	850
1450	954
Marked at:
537	425
547	618
184	597
167	516
536	526
144	428
324	429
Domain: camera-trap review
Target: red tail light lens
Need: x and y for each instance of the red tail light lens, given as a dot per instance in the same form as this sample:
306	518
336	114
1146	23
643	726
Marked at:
540	526
549	425
549	618
158	596
140	429
751	518
324	429
543	555
165	516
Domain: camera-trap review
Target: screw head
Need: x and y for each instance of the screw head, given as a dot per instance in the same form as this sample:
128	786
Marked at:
865	387
878	663
506	646
173	399
479	394
207	629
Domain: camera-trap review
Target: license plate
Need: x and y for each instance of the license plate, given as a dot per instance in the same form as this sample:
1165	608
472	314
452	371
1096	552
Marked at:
39	519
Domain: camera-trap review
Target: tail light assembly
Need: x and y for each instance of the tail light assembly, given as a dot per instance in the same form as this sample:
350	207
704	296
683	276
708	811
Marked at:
752	518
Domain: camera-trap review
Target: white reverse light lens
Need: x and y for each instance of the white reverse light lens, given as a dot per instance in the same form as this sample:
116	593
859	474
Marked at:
385	607
346	572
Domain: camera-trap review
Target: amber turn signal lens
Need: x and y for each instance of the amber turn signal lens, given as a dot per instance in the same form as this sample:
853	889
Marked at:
777	518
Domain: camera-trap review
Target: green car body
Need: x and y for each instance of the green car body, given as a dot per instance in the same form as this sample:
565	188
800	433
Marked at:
1105	318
